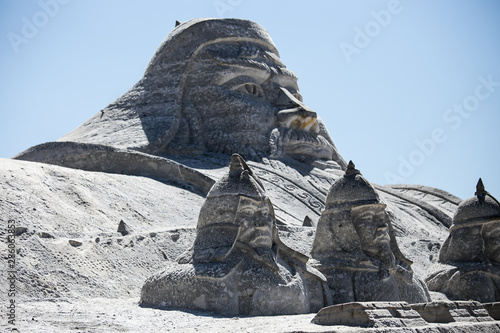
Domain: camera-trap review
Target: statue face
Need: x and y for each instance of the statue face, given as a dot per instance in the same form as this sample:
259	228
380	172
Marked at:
491	237
256	223
465	244
372	229
251	104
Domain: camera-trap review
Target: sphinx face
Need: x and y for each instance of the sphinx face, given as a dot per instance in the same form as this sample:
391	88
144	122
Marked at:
491	237
373	230
251	105
256	223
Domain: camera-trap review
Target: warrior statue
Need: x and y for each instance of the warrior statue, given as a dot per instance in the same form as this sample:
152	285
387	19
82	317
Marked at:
238	265
469	260
355	247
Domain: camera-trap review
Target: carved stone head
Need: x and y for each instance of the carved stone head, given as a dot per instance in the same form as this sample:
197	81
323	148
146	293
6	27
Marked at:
239	96
354	225
214	85
236	212
474	231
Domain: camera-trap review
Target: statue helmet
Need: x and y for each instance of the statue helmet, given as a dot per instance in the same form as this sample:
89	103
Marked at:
465	242
351	190
479	208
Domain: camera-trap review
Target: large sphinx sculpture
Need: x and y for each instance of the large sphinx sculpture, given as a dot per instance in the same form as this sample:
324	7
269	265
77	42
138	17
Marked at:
204	71
213	88
469	260
355	247
238	265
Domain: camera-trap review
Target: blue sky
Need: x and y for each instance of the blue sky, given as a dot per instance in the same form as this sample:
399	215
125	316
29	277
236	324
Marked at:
409	90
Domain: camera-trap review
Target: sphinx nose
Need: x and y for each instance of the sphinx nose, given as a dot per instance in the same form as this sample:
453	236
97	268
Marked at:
294	113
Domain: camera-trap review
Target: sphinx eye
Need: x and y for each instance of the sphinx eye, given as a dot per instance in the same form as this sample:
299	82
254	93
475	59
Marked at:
298	96
250	89
294	93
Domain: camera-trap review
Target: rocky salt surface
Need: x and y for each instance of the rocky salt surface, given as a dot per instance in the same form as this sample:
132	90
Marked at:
124	315
94	284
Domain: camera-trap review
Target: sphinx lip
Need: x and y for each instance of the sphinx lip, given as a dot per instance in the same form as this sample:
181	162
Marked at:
304	145
298	119
304	123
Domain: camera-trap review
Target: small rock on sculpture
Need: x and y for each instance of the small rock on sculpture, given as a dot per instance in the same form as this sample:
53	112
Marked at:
469	260
356	250
238	265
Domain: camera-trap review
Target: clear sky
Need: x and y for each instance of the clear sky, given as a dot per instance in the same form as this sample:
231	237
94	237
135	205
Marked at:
409	90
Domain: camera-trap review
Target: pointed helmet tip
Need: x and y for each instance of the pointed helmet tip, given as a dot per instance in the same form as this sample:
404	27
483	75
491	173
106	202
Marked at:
351	169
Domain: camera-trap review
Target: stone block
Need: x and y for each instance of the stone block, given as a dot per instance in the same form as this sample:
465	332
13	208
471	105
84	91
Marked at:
493	309
448	312
370	314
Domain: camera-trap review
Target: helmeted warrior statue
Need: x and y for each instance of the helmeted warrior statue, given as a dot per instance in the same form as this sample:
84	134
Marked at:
238	265
469	260
356	250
